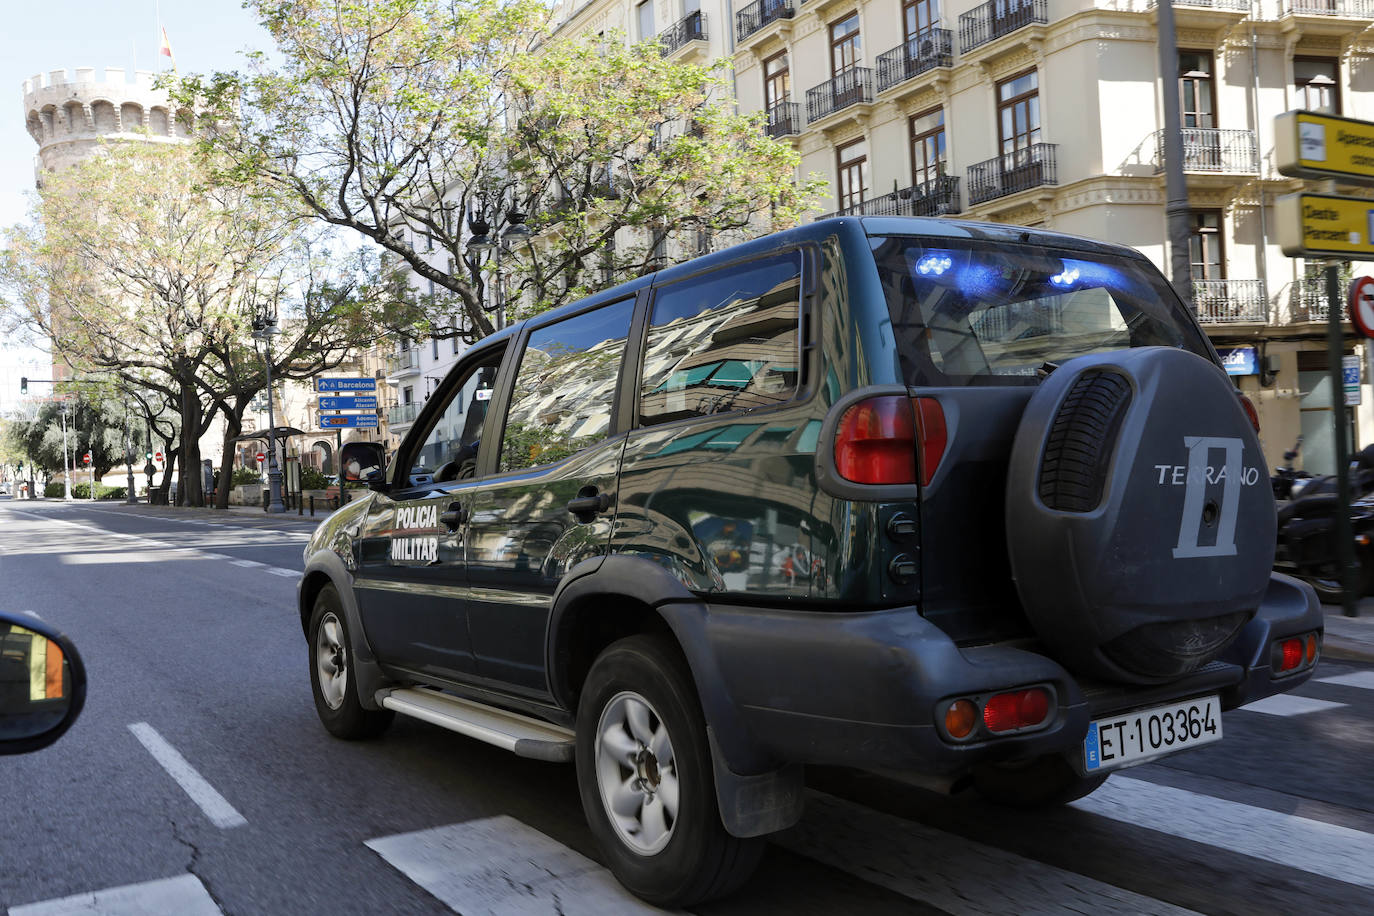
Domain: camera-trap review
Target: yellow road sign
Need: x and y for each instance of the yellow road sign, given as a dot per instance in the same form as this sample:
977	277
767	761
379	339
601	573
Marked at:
1325	225
1312	145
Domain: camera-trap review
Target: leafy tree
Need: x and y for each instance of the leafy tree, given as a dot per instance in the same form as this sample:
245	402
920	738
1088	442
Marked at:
139	267
398	118
91	426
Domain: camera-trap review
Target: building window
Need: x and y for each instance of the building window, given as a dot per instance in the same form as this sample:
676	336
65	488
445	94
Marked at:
852	168
918	17
777	81
927	148
408	395
644	15
1197	104
1206	250
1018	112
1318	81
845	49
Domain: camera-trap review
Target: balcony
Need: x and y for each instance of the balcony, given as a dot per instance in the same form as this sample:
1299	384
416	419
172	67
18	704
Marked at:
759	14
1241	6
939	197
403	362
687	30
1348	9
1208	149
924	52
992	20
400	414
853	87
1009	173
1231	301
784	120
1307	300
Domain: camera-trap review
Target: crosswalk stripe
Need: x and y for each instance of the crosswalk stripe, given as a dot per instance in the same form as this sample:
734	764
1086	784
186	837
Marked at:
947	871
1364	679
183	895
1342	853
1288	704
498	866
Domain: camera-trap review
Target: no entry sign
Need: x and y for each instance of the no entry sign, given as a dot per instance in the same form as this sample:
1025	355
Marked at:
262	456
1362	305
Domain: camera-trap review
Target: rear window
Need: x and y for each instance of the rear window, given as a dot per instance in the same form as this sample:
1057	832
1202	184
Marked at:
983	314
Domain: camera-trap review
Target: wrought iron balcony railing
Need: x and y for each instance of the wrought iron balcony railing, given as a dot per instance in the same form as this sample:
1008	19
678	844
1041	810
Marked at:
758	14
1011	172
926	51
938	197
1307	300
1241	6
690	28
1207	149
1354	9
996	18
784	120
849	88
1231	301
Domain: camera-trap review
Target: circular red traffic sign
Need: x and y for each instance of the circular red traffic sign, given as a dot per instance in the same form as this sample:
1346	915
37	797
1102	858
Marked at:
262	456
1361	305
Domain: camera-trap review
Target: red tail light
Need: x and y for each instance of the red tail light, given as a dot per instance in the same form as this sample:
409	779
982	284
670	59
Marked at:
1250	412
885	440
1292	650
1006	712
930	429
876	442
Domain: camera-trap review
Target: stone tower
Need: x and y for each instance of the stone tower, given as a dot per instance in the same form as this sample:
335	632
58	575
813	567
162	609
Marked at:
68	118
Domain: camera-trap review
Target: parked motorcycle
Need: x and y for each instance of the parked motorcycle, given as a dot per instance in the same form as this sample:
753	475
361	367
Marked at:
1284	476
1306	545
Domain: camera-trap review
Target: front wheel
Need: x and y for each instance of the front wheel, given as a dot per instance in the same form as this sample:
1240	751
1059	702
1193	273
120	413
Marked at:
644	774
1039	783
332	678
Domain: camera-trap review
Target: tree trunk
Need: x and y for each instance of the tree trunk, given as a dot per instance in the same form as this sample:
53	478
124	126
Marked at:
192	489
233	426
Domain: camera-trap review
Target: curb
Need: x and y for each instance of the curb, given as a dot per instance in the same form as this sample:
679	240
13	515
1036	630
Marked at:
1341	650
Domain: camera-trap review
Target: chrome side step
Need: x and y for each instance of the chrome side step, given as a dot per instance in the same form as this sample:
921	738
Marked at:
522	735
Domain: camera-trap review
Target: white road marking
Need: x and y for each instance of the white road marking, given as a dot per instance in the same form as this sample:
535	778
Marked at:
1287	704
247	564
34	614
498	866
1337	852
215	806
184	896
947	871
284	573
1362	679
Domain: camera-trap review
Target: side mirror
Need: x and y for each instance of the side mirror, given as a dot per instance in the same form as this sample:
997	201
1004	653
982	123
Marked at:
363	461
42	684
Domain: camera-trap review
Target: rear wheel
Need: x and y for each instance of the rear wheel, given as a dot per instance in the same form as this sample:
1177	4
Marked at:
644	774
332	678
1039	783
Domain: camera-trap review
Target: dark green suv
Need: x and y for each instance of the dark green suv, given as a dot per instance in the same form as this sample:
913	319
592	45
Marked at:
966	500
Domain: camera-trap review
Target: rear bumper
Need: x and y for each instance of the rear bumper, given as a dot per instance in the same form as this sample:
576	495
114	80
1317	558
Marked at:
864	689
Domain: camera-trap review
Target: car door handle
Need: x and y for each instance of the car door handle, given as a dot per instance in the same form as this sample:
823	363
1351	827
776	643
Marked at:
589	505
453	516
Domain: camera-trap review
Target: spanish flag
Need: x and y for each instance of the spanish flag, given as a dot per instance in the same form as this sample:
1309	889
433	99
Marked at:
166	49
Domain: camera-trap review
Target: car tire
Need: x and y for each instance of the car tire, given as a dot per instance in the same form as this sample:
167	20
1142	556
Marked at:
640	737
332	677
1043	782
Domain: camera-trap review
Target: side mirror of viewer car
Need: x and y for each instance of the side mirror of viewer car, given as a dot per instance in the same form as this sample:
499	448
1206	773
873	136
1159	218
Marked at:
42	684
363	461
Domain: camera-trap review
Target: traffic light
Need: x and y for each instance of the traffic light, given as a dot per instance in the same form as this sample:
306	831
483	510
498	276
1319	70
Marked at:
148	457
21	467
23	384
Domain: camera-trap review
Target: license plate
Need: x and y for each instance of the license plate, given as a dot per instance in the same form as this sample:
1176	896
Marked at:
1143	734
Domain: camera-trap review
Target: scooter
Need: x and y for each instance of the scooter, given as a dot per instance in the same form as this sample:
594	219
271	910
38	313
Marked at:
1284	476
1306	545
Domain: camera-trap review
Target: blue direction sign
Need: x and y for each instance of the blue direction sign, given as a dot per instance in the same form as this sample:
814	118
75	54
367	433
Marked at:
347	421
358	403
345	384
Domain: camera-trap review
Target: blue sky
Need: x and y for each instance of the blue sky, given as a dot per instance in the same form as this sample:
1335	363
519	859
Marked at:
51	34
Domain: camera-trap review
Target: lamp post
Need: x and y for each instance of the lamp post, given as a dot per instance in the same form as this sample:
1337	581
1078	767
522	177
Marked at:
264	329
485	239
130	492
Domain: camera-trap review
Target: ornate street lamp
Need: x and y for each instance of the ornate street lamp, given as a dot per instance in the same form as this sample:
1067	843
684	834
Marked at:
264	329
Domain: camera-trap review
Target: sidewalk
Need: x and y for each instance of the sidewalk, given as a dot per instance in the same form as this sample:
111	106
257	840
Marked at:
237	513
1350	638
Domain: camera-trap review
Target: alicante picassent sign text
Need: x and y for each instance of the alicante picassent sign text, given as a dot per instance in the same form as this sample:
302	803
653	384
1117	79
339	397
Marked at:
1308	144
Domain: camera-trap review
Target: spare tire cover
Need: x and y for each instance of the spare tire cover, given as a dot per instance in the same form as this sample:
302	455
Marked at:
1140	520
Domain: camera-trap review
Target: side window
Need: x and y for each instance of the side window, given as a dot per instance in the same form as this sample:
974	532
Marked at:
451	447
724	341
563	394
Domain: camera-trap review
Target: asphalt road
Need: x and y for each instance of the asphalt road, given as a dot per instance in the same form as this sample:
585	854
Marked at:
197	666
